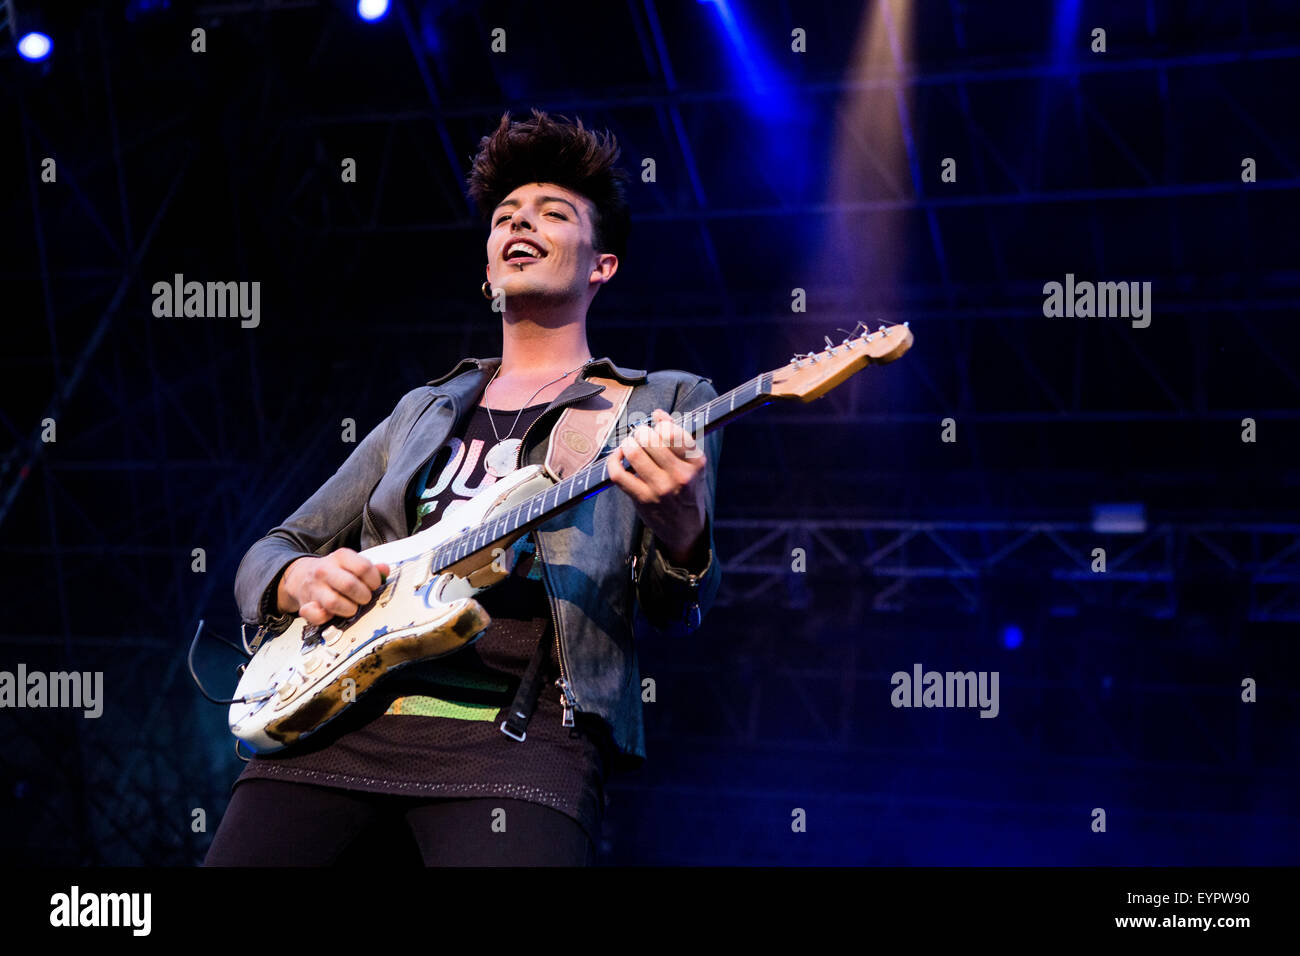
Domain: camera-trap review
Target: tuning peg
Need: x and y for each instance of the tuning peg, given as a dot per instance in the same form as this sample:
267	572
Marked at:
830	346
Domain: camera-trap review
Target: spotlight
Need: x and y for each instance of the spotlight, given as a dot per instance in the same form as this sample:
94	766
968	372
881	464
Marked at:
1012	636
34	46
372	9
1119	518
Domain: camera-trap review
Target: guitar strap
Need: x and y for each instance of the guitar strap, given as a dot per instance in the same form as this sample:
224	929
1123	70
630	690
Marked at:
530	686
584	428
576	439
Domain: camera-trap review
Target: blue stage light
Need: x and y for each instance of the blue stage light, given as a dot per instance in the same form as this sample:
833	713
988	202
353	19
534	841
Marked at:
1122	518
1065	34
740	43
34	46
137	9
372	9
769	98
1012	636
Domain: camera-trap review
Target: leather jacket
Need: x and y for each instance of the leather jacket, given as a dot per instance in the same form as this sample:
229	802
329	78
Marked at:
600	564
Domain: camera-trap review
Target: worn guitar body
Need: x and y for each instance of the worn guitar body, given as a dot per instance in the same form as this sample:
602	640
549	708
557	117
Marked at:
306	676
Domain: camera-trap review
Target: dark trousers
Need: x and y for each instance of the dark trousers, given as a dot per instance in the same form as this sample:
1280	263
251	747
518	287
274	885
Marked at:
280	823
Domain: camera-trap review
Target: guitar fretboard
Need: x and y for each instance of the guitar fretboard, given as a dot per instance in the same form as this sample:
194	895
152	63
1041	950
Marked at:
594	478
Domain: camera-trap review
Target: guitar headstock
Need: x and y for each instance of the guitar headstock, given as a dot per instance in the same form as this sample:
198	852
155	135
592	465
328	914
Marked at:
811	375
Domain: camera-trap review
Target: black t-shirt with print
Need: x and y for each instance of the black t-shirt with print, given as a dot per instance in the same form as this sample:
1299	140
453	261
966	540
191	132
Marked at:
433	728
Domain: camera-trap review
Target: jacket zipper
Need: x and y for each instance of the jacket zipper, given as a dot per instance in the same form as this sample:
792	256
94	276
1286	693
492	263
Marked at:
692	616
568	701
367	520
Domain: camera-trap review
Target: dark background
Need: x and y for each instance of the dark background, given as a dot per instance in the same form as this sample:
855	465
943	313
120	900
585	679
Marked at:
1119	691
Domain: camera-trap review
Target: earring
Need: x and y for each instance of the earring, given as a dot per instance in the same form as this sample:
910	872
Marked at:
487	289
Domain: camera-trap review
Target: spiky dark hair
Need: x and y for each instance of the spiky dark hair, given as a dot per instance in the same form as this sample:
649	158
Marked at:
549	150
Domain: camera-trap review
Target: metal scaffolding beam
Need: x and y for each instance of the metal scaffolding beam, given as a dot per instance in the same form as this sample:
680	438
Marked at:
885	558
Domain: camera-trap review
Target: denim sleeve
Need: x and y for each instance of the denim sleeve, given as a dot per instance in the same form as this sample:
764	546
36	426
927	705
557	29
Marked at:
330	519
673	599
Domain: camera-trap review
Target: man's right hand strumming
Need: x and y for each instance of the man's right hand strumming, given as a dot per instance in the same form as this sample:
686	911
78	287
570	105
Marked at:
319	589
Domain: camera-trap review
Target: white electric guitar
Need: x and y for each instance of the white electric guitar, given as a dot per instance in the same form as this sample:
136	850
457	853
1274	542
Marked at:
302	678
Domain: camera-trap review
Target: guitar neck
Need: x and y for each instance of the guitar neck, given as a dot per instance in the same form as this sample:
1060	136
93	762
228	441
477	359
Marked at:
594	478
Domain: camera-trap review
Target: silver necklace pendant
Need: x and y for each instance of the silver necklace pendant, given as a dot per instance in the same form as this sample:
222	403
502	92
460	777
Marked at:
500	460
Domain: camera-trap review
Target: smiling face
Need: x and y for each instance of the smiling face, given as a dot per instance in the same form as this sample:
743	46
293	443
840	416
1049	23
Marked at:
562	264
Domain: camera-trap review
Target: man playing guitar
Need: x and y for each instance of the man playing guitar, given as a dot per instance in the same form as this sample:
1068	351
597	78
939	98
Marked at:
425	748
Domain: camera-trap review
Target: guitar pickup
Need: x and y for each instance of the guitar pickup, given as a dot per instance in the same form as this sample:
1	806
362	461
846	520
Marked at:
311	635
389	588
424	572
